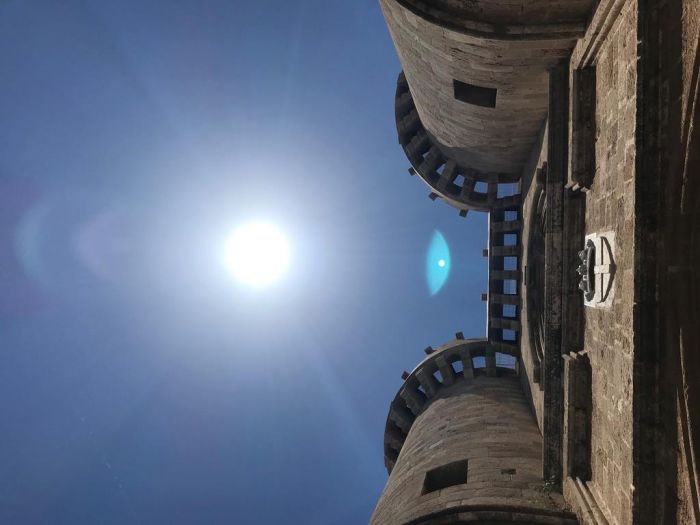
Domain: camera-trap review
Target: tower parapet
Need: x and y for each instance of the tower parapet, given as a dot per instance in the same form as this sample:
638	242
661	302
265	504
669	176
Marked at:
463	187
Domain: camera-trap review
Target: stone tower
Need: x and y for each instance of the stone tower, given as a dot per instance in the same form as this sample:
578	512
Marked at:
461	445
478	95
574	125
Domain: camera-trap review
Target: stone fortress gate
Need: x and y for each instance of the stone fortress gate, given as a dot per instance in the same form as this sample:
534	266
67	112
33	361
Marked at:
573	124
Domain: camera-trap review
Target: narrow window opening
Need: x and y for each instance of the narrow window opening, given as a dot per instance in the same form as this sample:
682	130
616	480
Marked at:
449	475
510	239
507	189
458	367
505	361
438	376
476	95
509	335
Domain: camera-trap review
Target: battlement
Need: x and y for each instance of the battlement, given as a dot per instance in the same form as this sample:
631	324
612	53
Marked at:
454	362
461	186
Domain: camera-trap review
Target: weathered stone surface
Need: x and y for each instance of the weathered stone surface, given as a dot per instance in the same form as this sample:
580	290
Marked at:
610	206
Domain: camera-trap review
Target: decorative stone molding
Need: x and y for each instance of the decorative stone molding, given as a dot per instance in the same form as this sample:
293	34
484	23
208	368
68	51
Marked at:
534	275
577	415
582	131
584	502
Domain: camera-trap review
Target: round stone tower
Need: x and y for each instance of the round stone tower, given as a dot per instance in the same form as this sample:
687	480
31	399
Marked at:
461	446
473	94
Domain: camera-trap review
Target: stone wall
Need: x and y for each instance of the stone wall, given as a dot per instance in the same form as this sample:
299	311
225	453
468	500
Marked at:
678	258
610	206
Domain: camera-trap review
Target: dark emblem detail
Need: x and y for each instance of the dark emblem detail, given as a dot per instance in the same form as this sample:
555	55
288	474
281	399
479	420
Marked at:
586	270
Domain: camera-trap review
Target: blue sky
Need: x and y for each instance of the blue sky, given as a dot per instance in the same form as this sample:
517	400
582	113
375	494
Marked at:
141	383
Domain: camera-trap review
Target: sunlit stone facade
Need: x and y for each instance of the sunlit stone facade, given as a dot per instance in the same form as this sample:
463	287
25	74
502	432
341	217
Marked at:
590	109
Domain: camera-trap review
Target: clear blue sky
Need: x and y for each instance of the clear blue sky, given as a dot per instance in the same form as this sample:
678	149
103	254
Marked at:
139	382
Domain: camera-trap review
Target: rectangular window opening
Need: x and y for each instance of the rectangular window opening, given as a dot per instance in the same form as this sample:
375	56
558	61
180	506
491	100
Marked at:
509	335
505	361
511	215
476	95
510	239
507	189
459	181
481	187
510	263
510	287
479	362
449	475
509	310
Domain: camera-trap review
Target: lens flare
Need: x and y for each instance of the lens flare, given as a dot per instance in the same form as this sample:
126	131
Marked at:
437	263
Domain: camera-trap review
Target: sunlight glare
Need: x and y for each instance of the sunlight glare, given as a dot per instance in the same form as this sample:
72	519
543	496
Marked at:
257	253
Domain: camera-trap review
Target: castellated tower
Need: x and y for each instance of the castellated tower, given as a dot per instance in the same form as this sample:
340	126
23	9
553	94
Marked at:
461	445
474	89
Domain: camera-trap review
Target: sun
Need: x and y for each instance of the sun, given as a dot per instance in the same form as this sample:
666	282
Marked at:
257	253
